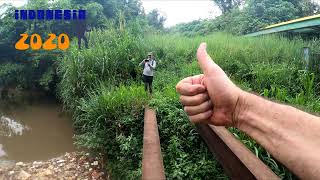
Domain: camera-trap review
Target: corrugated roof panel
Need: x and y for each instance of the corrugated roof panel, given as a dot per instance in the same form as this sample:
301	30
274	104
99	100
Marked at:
293	21
310	24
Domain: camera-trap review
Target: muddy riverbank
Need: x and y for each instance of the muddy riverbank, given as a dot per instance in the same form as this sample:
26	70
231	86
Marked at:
36	142
34	131
70	166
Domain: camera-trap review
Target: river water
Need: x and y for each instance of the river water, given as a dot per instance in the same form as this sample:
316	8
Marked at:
34	131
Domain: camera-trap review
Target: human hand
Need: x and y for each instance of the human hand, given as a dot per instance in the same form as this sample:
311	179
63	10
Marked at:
210	98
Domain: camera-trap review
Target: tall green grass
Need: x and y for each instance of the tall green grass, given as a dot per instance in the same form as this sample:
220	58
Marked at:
110	121
112	56
96	84
270	66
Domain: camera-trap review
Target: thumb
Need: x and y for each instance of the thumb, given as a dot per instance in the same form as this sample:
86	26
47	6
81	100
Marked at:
206	63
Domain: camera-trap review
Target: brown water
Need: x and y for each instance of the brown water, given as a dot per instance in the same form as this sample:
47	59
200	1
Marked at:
45	132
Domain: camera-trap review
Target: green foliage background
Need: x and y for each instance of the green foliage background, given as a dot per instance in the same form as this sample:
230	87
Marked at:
40	66
108	103
247	16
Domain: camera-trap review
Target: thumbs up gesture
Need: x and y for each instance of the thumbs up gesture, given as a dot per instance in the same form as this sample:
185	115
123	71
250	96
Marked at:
211	97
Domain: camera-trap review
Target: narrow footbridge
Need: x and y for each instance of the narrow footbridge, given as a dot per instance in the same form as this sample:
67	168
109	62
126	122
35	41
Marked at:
309	25
237	161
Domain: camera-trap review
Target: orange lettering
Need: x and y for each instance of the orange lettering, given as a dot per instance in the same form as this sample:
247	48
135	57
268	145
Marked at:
48	45
66	43
21	45
38	44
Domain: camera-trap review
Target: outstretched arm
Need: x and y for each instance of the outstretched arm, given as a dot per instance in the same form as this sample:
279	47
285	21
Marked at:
142	62
290	135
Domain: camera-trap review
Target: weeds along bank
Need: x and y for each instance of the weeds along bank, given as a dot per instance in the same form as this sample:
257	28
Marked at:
101	85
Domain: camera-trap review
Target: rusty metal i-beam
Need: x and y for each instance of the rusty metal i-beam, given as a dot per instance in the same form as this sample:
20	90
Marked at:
237	161
152	163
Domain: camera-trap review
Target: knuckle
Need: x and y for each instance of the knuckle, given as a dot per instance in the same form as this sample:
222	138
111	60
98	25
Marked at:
202	117
186	109
194	119
191	91
181	99
178	88
197	120
205	116
197	101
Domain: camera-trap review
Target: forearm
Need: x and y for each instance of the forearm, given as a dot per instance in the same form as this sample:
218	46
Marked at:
290	135
152	66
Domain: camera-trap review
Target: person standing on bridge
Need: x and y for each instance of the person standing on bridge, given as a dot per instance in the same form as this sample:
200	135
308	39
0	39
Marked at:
290	135
149	65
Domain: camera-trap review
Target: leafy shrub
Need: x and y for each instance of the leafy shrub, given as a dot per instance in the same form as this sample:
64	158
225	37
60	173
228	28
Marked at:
10	74
110	58
110	120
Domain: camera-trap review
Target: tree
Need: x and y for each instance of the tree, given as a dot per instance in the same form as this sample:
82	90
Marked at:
95	16
155	19
254	15
227	5
271	11
39	69
308	8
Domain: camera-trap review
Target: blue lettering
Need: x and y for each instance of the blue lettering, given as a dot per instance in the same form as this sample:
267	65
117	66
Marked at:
67	14
49	14
74	14
58	14
82	14
32	14
16	14
23	14
40	14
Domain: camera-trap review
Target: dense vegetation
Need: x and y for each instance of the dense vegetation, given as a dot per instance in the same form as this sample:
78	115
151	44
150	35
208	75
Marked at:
247	16
101	85
108	102
40	66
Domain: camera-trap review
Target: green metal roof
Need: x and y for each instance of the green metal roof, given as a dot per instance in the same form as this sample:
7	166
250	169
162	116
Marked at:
310	24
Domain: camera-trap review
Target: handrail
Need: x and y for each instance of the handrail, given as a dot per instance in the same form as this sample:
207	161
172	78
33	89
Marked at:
152	163
238	162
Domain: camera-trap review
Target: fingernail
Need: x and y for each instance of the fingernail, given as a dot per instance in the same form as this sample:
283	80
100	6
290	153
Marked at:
204	45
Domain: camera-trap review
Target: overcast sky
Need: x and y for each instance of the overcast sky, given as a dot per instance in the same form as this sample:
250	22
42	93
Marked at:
178	11
14	2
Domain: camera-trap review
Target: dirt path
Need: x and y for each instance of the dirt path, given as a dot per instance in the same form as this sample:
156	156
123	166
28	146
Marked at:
69	166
